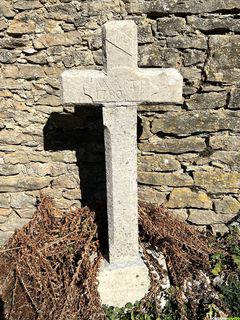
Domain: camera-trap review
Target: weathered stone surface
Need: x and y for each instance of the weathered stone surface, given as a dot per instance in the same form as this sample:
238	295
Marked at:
227	205
174	179
213	23
186	198
193	57
217	181
234	102
28	72
223	64
219	228
153	55
11	84
145	33
192	122
190	6
229	158
68	181
6	9
206	217
3	24
49	100
13	222
171	26
175	146
7	56
62	39
13	43
27	5
21	24
72	194
26	213
151	195
158	163
8	170
20	200
187	42
180	214
212	100
4	200
62	12
225	142
22	183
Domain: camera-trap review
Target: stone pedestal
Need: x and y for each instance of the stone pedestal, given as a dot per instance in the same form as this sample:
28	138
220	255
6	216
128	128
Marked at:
123	283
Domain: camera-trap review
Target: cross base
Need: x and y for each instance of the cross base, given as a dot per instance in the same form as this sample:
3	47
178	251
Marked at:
123	283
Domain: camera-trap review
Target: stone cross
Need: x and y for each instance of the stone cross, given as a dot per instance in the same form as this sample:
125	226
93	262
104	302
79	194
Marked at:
119	88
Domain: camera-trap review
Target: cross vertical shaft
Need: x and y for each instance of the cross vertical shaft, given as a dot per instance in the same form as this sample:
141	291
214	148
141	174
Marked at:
121	157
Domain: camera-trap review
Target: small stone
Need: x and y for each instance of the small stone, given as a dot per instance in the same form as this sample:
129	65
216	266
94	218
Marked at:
213	24
23	183
234	102
28	72
147	194
20	200
230	159
171	26
186	42
180	214
193	122
13	222
21	24
72	194
145	34
225	142
175	146
62	39
83	58
174	179
4	212
223	64
49	100
153	55
212	100
194	57
227	205
186	198
158	163
26	213
219	228
13	43
6	9
208	217
9	170
68	181
27	5
217	181
4	200
3	24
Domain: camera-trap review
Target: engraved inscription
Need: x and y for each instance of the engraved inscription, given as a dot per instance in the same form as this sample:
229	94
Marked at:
113	89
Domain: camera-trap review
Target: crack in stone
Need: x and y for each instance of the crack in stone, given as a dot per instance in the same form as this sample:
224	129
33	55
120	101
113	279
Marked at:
119	48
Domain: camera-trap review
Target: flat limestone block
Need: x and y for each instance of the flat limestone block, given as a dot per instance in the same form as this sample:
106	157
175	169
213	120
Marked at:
123	283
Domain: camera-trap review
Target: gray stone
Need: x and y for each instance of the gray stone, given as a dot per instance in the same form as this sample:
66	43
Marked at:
21	24
69	181
7	56
174	146
145	34
153	55
234	102
62	39
174	179
223	64
186	198
189	6
13	43
120	87
171	26
27	5
22	183
230	159
225	142
207	217
4	200
194	57
20	200
213	24
217	181
219	228
9	170
148	194
6	9
186	42
227	205
211	100
180	214
28	72
193	122
158	163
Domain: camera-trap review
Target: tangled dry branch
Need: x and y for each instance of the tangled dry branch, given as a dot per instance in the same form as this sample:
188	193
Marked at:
49	267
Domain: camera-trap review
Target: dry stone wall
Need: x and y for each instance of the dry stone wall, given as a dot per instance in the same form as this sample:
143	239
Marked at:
189	156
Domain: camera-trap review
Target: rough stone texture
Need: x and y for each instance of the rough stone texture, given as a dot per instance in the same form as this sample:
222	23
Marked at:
186	198
227	205
158	163
199	38
174	179
208	217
